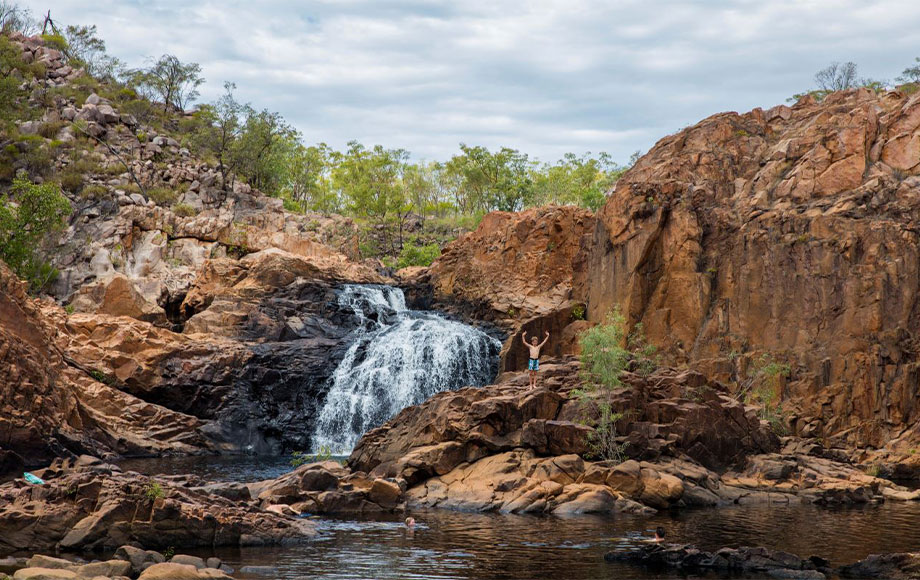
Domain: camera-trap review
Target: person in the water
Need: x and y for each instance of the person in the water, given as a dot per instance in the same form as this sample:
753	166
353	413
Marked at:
659	534
410	523
533	363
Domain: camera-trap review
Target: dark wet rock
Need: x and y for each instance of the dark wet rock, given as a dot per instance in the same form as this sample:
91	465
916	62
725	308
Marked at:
139	558
11	465
890	566
689	558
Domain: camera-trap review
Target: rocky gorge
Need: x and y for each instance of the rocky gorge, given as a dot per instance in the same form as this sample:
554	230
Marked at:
787	232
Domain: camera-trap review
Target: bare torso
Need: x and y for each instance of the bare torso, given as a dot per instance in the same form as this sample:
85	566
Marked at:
534	350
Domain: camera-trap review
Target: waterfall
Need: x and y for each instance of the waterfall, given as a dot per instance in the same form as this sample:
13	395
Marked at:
398	357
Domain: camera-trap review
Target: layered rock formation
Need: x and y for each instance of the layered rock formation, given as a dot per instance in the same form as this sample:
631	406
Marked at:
50	406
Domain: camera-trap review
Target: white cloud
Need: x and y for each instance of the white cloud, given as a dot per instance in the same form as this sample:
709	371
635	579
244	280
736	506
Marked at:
545	76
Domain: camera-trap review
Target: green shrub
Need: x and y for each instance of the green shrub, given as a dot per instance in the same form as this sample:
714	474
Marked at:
55	41
184	210
299	458
761	388
71	180
578	312
39	210
162	195
37	160
49	129
413	255
154	491
608	351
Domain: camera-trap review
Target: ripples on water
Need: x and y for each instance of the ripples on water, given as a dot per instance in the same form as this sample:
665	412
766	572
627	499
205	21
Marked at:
450	545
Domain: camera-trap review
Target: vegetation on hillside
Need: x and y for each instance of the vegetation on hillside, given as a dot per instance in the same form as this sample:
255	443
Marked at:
839	76
406	208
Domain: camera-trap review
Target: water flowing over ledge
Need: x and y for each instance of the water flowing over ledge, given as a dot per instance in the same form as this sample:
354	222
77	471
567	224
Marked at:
399	357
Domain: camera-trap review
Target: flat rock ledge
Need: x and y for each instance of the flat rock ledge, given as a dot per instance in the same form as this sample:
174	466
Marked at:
773	563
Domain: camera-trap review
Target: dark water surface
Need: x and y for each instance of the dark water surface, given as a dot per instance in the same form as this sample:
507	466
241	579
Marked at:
451	545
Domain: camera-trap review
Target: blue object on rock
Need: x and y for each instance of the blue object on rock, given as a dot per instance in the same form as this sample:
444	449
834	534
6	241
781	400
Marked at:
32	479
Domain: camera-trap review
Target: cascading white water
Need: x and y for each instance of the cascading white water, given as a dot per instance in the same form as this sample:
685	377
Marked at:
399	357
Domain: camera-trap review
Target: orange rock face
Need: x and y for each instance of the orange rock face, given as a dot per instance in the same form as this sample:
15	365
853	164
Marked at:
517	265
792	231
49	405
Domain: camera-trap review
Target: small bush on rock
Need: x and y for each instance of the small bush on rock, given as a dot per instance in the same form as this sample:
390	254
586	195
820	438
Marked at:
608	351
184	210
154	491
162	195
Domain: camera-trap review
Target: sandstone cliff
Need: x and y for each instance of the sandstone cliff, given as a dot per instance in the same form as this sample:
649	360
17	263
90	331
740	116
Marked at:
790	231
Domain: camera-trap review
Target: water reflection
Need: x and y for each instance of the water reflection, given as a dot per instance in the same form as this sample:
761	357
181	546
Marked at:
480	546
449	545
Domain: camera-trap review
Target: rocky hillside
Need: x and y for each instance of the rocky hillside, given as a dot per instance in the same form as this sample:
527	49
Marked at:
790	231
188	317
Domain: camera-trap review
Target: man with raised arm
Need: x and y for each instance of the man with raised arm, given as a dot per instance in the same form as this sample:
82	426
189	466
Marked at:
533	364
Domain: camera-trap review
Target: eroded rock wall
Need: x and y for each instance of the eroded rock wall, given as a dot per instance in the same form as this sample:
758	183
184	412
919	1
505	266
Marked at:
792	231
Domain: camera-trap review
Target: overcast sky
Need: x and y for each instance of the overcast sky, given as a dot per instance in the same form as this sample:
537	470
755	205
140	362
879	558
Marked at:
544	77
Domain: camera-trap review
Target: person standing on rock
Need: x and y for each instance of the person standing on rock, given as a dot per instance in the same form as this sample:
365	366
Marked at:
533	363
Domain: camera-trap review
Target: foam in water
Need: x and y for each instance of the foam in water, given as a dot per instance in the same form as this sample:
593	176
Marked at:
399	357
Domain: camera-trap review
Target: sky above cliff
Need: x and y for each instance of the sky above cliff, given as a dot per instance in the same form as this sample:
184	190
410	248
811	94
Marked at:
545	77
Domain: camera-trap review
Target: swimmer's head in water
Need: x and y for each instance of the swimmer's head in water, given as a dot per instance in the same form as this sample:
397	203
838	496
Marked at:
659	532
410	522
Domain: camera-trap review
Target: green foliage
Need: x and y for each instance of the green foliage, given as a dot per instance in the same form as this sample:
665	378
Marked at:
55	41
13	18
169	552
154	491
761	388
50	129
413	255
608	351
169	81
86	49
299	458
162	195
184	210
873	470
27	218
574	180
602	441
71	180
911	74
578	312
69	309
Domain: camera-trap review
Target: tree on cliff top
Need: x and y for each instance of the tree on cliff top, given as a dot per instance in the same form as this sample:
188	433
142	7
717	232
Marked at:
170	80
26	218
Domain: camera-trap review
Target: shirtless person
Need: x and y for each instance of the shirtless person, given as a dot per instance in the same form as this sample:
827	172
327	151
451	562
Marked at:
533	365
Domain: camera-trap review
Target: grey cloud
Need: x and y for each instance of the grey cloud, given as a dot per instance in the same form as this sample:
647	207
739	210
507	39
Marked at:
543	76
